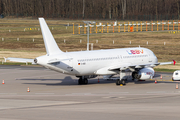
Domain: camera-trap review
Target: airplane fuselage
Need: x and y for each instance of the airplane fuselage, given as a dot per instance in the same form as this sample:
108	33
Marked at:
97	62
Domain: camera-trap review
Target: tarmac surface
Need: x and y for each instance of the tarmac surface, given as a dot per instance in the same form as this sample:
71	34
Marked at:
58	96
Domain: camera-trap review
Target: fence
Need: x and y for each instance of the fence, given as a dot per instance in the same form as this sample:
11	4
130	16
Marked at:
136	26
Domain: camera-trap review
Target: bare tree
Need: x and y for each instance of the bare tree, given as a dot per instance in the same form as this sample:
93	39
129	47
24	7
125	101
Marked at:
124	8
111	9
83	7
177	7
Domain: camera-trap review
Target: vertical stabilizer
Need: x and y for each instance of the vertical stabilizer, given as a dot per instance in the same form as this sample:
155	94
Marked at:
49	41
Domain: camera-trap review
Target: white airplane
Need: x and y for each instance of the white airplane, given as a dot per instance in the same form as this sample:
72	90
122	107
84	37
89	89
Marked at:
89	64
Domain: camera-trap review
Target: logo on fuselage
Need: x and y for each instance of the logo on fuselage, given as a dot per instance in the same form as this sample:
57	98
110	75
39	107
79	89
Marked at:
148	73
130	52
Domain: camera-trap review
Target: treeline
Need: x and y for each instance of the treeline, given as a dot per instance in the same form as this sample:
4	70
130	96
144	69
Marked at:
87	9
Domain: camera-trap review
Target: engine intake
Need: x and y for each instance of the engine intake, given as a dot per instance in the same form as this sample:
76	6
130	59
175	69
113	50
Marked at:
143	74
136	75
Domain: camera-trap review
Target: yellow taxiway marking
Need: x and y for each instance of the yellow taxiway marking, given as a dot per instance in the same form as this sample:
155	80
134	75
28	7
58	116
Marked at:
165	80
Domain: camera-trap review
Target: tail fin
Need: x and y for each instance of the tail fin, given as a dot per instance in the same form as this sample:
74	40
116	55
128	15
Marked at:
49	41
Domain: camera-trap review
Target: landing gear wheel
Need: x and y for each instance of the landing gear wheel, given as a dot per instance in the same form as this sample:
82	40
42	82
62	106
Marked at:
85	81
117	82
80	81
123	82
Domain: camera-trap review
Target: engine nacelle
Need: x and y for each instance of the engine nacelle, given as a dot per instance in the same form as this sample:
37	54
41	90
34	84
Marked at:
143	74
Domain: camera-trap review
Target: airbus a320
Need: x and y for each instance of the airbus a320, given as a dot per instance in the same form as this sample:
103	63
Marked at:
90	64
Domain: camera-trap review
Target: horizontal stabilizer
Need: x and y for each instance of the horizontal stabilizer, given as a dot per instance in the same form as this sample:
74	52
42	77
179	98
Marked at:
22	60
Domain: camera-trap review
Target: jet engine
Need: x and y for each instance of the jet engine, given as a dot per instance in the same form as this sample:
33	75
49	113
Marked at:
143	74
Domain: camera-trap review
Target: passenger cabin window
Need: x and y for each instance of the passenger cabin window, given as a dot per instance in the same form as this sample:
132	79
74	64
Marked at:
99	59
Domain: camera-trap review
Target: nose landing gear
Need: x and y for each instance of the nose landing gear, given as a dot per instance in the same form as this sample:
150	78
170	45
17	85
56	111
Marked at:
122	79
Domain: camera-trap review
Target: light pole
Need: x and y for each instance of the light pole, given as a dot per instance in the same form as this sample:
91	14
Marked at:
87	23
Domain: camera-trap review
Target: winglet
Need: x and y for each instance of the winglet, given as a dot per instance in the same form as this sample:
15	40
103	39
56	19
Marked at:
49	41
174	62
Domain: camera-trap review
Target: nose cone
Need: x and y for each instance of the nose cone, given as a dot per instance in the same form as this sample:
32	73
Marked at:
155	59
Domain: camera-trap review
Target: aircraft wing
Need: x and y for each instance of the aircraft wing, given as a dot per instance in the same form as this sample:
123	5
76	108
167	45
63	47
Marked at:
166	63
22	60
126	66
130	66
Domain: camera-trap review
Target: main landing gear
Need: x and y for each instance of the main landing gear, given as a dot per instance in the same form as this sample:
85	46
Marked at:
82	81
122	78
119	82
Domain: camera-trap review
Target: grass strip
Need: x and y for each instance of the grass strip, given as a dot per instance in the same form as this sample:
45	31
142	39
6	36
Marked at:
164	70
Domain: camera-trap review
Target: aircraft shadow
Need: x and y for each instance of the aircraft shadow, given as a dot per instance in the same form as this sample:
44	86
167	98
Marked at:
66	81
157	75
66	78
